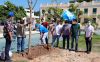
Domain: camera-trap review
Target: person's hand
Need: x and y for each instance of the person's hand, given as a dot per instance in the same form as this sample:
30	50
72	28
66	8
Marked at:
90	38
29	22
10	38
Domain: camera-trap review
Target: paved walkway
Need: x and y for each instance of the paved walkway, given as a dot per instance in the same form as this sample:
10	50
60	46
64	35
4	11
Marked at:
27	32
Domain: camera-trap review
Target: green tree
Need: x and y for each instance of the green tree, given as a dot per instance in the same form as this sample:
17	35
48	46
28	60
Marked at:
98	16
19	12
53	13
74	8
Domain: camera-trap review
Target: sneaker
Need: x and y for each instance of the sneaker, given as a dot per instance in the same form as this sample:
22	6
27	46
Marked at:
22	50
87	52
18	52
71	49
8	60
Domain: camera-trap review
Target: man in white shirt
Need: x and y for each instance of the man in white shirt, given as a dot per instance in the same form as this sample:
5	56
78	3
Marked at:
56	32
88	37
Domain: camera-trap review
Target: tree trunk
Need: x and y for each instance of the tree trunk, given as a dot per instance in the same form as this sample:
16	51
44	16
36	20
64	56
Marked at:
30	20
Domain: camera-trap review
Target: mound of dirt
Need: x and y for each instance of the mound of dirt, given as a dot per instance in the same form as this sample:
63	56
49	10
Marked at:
41	54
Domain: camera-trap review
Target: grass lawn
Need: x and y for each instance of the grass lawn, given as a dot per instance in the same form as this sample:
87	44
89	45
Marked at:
82	45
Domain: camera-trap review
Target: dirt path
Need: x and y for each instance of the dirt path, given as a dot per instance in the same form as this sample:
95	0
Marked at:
40	54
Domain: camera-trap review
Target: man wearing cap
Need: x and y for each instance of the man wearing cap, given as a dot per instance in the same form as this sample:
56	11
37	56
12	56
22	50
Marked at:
8	29
89	29
43	33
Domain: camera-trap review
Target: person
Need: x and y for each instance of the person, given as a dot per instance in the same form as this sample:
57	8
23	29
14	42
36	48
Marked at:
33	24
75	34
54	35
8	30
43	34
66	34
80	29
89	29
20	36
45	24
56	32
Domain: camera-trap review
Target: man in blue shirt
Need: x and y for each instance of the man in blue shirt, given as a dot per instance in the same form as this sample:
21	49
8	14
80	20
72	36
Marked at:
43	33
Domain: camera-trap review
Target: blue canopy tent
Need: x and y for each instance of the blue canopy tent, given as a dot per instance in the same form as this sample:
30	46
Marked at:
67	15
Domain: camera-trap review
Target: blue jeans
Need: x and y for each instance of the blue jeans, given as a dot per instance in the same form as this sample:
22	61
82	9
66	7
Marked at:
7	48
20	44
54	39
74	39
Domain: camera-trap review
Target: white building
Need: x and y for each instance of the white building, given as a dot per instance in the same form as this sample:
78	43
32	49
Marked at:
33	17
90	9
28	13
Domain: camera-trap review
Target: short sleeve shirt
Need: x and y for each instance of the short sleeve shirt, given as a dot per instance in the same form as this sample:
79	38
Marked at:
58	29
43	29
9	25
20	30
45	24
89	30
75	29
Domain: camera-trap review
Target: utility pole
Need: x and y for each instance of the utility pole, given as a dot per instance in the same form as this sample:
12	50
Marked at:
30	20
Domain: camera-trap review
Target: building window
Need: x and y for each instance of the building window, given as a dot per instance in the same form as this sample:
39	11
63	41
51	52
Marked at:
86	20
85	10
94	10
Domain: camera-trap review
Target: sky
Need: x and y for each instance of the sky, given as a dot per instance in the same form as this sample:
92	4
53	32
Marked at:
25	5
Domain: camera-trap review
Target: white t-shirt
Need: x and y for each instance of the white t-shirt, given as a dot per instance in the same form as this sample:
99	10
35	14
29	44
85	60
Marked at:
89	30
58	29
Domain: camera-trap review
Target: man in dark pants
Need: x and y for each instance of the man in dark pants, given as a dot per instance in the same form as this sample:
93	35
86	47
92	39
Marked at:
66	34
74	34
7	48
8	29
88	37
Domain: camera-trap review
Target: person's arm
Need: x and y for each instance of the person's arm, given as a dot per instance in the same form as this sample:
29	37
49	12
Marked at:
85	35
9	29
10	34
71	30
91	35
62	30
85	32
27	24
41	34
79	27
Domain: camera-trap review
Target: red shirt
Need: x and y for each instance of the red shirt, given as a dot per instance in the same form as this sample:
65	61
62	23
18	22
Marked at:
45	24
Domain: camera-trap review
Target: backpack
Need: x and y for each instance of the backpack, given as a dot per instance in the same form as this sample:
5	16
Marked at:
65	30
